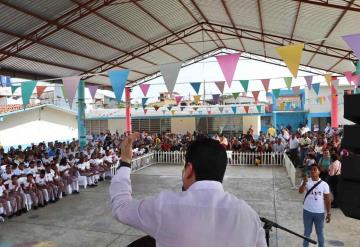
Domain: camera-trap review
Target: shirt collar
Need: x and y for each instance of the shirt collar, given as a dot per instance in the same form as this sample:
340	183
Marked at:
206	185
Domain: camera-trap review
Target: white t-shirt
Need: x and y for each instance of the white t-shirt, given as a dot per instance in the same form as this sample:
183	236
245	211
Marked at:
314	202
2	190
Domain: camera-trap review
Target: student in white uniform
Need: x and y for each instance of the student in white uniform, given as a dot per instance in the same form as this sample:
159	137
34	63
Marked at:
45	189
11	209
83	168
17	192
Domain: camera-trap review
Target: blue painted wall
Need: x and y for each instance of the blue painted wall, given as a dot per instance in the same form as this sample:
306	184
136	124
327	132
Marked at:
289	118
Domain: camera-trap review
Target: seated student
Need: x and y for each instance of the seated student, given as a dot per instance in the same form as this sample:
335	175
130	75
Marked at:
46	190
68	174
11	209
32	169
58	180
29	187
50	181
17	192
39	166
83	168
7	174
107	159
95	166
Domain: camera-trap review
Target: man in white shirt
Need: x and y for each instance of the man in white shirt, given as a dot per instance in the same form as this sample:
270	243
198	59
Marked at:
294	149
316	200
202	215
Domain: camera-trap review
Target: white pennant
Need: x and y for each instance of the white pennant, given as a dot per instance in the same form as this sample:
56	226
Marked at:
170	73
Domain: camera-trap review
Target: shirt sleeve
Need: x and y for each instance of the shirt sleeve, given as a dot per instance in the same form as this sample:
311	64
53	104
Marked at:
326	188
141	214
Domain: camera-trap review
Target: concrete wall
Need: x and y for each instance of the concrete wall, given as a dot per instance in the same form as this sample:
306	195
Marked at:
40	124
253	121
117	124
181	125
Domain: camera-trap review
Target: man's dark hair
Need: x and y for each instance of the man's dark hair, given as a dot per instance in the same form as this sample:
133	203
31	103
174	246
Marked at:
317	166
208	159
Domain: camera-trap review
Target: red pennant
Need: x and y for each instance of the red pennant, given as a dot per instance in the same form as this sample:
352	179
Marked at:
256	95
266	83
209	112
246	108
178	99
145	111
156	107
40	90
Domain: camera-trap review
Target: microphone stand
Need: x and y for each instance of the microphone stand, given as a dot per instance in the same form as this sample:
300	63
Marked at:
269	224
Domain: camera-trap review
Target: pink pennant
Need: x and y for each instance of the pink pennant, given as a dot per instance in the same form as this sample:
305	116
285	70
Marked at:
209	112
92	89
266	83
256	95
220	85
348	75
309	79
246	108
70	86
145	110
355	80
296	90
144	88
228	65
178	99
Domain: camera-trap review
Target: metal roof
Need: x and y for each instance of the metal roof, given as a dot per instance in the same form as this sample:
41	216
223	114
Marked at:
72	37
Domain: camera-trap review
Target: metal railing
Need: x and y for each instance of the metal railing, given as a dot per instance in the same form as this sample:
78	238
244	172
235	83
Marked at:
137	163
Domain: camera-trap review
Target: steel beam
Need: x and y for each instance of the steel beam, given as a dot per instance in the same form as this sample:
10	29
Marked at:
261	24
327	3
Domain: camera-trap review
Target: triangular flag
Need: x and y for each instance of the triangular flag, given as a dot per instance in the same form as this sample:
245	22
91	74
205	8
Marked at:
228	65
258	107
276	92
348	75
197	99
282	106
93	89
209	112
291	54
178	99
221	108
256	95
355	80
13	88
27	88
220	85
170	73
63	92
245	84
118	80
156	107
328	78
235	95
216	98
233	108
182	108
309	79
288	81
173	112
143	101
296	90
145	110
169	108
144	88
40	90
71	84
353	41
196	86
266	83
195	108
246	108
316	87
164	111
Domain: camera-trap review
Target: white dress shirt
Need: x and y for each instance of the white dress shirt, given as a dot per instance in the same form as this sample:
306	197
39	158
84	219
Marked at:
204	215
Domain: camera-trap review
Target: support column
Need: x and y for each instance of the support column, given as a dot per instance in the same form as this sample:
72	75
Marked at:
334	108
128	109
81	115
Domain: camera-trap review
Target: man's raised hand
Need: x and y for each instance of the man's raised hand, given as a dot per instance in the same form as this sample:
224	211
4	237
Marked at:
126	147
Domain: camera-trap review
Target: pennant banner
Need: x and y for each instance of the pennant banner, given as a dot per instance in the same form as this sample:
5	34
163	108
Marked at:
355	80
145	110
348	75
196	86
178	99
173	112
258	107
169	108
144	88
195	108
266	83
216	98
235	95
71	84
163	111
316	88
93	89
353	41
143	101
256	95
13	88
197	99
245	84
276	92
27	88
228	65
233	108
118	80
291	55
170	74
246	108
309	79
156	107
220	85
288	81
328	78
40	90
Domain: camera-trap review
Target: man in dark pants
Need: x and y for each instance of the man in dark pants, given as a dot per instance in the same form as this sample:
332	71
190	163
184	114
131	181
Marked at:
294	149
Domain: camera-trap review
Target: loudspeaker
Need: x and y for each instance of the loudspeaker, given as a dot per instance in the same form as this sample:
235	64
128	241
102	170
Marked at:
350	140
352	107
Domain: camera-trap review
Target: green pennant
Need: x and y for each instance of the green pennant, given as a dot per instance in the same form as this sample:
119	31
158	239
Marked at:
276	92
235	95
27	88
13	88
258	107
169	108
245	84
288	81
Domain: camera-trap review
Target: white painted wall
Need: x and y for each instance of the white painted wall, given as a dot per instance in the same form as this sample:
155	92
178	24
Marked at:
182	125
253	121
36	125
117	125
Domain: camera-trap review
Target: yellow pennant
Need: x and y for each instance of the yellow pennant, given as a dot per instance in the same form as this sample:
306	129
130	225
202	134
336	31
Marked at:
197	99
291	55
328	78
173	112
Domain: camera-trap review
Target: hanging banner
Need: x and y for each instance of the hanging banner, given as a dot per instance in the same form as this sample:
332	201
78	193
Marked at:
348	75
355	80
163	111
235	95
178	99
228	65
216	98
170	74
195	108
40	90
296	90
220	85
92	90
156	107
258	107
13	88
256	96
276	92
143	101
246	108
118	80
182	108
309	79
353	41
233	108
266	83
328	78
144	88
173	112
221	108
27	88
197	99
288	81
291	55
196	86
245	84
316	88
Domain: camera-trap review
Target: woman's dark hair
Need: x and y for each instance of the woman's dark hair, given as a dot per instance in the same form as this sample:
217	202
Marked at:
334	157
208	159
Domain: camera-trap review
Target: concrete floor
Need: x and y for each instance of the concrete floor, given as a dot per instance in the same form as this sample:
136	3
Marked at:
85	219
